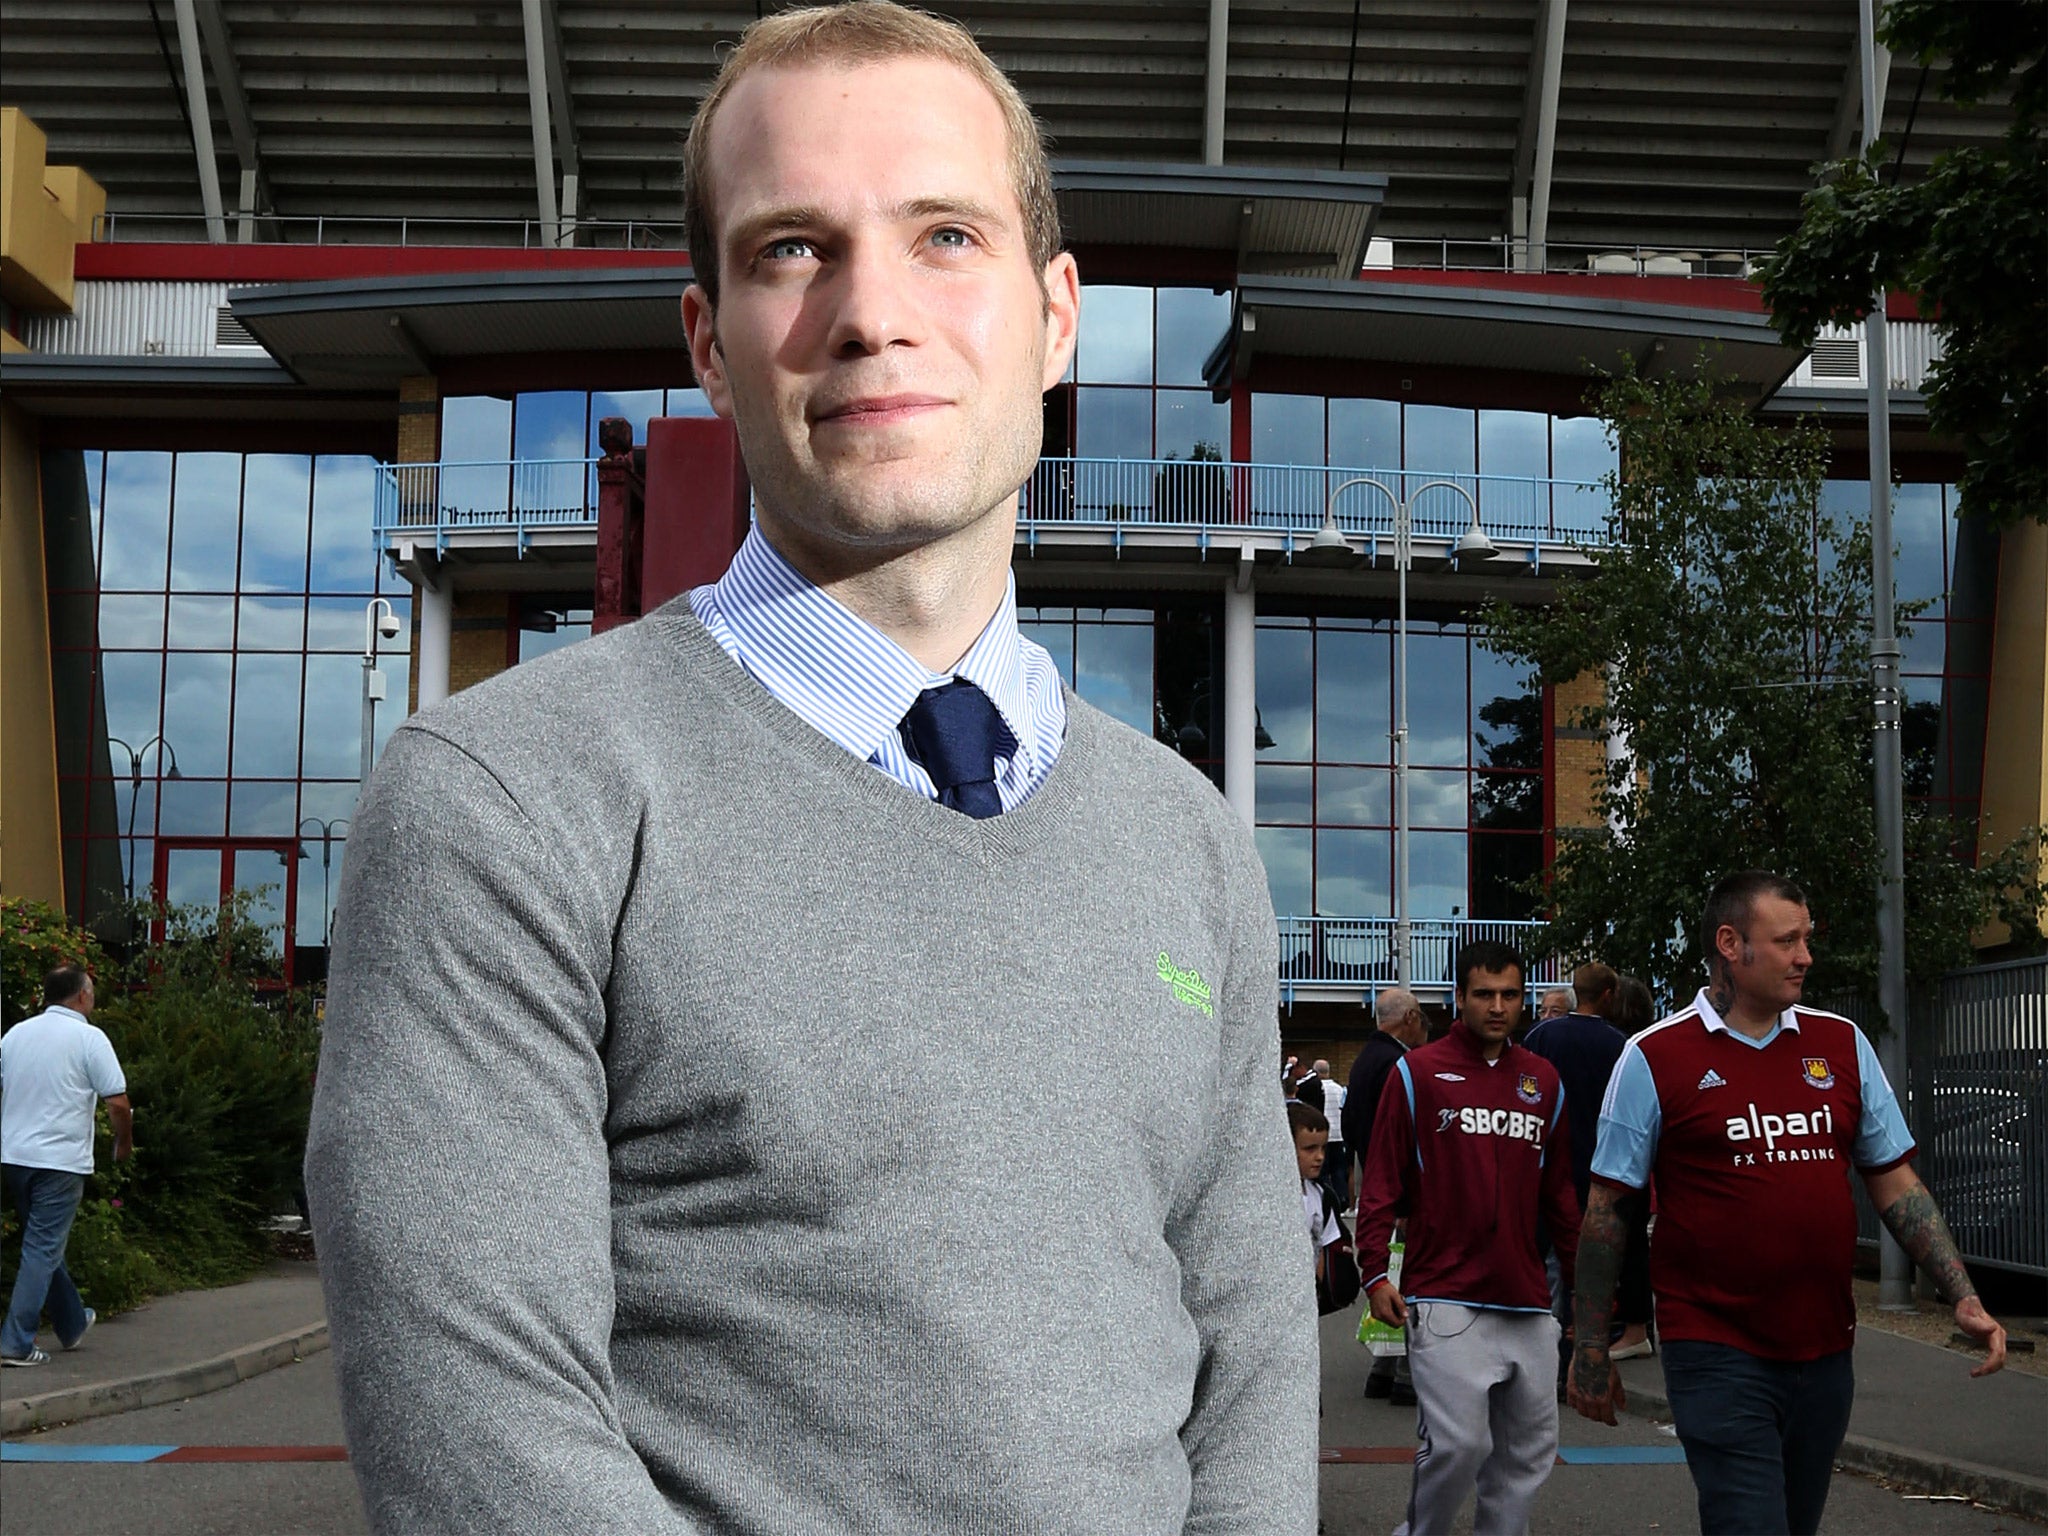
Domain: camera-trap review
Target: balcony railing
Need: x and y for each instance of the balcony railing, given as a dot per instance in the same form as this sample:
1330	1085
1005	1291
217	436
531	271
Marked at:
1290	498
1359	951
521	496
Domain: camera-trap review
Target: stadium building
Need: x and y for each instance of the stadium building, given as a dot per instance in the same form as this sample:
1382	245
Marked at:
310	309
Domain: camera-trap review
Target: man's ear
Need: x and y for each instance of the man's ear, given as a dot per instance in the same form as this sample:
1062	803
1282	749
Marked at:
707	358
1062	283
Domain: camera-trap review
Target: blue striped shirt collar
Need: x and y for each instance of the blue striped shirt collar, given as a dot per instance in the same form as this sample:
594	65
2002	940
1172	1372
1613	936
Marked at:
852	683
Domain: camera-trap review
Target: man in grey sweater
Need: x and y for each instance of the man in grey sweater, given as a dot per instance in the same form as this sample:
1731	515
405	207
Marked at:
817	827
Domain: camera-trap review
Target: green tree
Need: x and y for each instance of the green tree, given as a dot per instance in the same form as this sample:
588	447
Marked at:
1730	622
1969	241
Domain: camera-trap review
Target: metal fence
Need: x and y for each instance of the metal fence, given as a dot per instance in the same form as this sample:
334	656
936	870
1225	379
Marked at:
1976	1098
1293	498
1359	951
510	496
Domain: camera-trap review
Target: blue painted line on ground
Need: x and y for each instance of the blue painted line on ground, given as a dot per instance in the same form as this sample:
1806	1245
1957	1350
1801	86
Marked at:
1621	1455
15	1450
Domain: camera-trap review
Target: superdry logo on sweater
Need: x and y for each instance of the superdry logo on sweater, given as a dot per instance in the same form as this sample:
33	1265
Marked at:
1188	986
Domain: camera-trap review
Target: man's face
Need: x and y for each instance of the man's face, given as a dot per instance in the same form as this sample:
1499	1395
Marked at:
882	338
1310	1147
1768	965
1490	1003
1555	1006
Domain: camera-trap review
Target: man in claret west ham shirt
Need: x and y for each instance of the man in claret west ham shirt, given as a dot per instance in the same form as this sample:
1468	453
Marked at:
1471	1144
1749	1111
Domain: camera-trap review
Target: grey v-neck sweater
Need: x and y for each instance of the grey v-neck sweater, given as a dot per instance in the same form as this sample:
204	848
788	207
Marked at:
713	1135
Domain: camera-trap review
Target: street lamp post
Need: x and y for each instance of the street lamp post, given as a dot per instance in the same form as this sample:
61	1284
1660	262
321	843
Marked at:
1330	540
373	680
164	749
326	861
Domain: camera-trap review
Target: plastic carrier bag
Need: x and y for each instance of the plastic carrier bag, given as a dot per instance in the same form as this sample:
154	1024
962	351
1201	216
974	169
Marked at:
1374	1334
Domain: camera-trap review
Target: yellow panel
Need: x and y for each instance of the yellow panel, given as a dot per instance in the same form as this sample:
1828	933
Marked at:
30	841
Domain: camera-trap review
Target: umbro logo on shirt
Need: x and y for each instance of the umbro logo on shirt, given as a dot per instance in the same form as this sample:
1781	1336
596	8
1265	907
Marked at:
1450	1077
1713	1079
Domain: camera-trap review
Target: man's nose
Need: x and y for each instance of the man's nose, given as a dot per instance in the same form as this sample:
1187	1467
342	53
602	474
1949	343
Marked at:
874	300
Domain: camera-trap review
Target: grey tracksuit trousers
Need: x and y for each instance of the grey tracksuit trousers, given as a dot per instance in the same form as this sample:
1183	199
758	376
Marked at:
1486	1395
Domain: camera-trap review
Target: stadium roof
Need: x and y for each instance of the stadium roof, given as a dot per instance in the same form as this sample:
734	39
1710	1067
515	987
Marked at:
1664	123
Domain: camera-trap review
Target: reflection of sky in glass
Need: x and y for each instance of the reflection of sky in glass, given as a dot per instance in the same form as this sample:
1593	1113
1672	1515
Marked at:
1187	417
688	402
196	710
334	719
192	877
1843	504
263	875
476	427
127	622
1440	439
1436	798
1358	796
1436	699
1284	672
1287	855
549	424
1113	671
1114	424
141	798
1352	870
276	493
202	623
344	493
133	684
1191	322
138	521
1514	443
1918	536
260	810
267	717
1353	690
1436	874
1496	679
1116	335
1581	452
205	522
271	623
1287	429
1365	434
318	887
192	807
1285	793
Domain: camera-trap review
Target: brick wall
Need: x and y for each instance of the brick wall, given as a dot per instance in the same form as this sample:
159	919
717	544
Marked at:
1581	755
476	650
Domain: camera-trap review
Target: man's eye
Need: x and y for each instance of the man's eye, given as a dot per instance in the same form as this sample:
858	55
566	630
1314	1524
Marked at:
789	249
954	238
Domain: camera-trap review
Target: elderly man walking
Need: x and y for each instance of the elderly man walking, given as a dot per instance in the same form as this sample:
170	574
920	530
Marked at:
53	1069
1402	1026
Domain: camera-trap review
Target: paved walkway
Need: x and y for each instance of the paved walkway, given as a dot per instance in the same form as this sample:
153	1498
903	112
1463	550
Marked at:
176	1346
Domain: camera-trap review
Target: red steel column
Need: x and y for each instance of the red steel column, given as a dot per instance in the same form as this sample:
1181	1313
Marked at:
697	506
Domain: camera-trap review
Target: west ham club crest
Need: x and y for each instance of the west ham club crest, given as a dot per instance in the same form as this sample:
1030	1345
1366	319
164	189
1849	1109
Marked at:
1817	1071
1529	1091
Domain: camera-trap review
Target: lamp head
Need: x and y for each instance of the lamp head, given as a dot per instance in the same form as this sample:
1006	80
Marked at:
1329	546
1475	545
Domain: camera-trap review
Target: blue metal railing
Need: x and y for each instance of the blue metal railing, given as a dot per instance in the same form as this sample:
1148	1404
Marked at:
517	496
1291	498
1359	951
513	496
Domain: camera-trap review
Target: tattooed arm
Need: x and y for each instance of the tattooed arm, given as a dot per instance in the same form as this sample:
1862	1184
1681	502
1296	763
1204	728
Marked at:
1596	1389
1909	1213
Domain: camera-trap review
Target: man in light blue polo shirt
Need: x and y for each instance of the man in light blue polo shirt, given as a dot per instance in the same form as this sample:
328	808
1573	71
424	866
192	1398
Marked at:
53	1069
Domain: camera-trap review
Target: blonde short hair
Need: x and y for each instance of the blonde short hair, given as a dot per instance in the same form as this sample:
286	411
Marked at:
867	32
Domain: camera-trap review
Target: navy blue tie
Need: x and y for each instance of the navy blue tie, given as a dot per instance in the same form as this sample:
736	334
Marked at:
954	733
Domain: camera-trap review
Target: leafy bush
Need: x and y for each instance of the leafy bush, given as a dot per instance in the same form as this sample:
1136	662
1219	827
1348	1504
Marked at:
34	940
220	1076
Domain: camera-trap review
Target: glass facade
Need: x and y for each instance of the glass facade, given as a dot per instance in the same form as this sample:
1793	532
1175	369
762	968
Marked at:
214	610
1136	386
1326	786
1157	669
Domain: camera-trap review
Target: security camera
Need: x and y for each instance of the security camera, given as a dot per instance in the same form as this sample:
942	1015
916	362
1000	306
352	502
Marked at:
387	625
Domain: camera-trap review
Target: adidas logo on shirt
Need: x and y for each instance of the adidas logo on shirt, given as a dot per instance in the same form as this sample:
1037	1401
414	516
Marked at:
1713	1079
